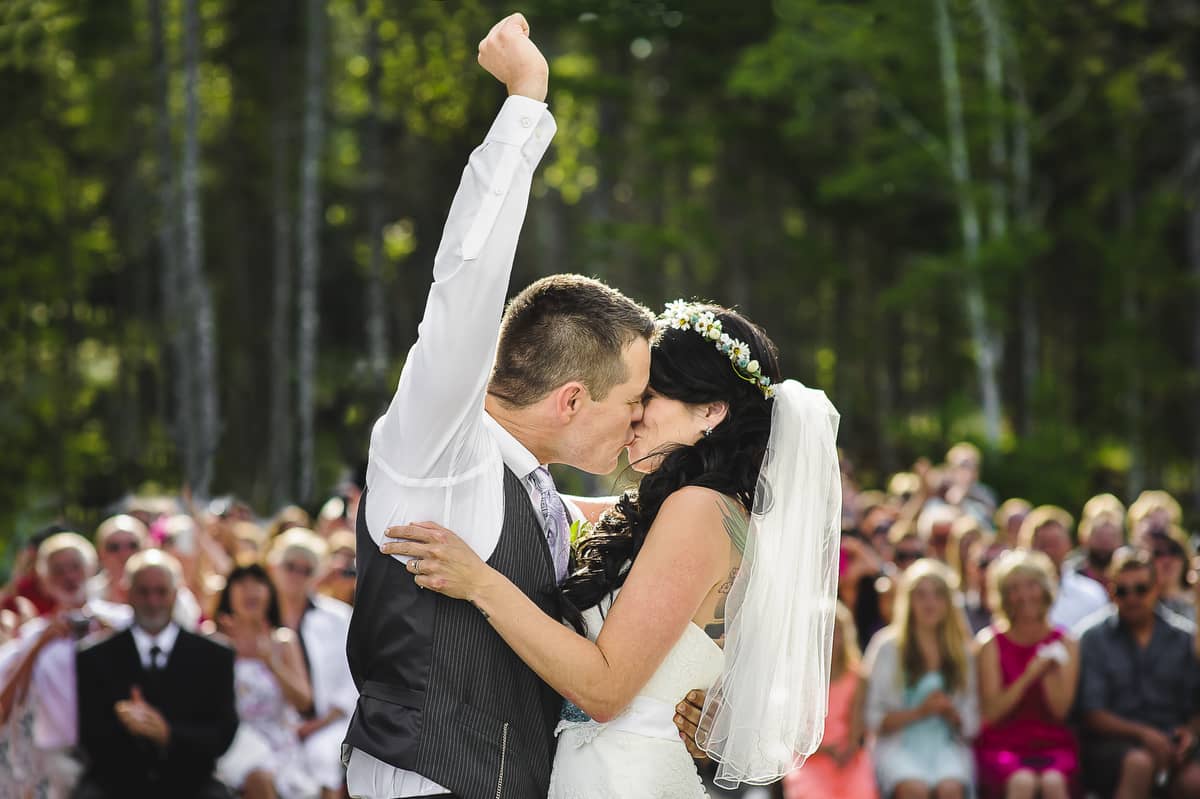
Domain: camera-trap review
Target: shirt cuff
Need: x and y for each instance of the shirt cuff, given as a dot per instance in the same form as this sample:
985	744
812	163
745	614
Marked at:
518	118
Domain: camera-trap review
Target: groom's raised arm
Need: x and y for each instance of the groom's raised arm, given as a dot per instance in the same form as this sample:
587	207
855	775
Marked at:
444	380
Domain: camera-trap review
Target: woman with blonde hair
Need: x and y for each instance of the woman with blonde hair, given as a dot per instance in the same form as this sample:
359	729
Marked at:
1028	671
921	697
840	767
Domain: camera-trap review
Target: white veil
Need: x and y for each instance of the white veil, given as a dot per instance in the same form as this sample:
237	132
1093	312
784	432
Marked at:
768	707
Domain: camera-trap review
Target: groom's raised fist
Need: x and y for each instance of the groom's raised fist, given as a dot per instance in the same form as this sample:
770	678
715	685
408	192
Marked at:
513	59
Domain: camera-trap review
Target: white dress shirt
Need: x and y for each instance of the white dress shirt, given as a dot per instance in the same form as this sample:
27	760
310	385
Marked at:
435	454
53	686
1078	597
145	642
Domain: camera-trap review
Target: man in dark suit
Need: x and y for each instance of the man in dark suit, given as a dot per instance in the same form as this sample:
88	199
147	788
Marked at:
156	703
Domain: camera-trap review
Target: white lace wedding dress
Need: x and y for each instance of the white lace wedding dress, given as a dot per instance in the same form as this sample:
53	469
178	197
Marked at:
637	755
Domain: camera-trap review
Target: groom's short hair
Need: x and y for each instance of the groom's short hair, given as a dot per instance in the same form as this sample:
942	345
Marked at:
563	328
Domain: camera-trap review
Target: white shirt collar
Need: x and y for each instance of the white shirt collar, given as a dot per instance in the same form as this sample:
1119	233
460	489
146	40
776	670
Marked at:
165	641
515	455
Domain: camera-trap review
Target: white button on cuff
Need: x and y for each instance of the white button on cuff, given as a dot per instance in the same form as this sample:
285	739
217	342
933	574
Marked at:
497	191
526	122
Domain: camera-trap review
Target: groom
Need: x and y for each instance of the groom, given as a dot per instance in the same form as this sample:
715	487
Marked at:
483	403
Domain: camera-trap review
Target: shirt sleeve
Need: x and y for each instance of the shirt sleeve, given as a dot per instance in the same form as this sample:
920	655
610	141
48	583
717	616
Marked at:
1093	687
882	682
442	385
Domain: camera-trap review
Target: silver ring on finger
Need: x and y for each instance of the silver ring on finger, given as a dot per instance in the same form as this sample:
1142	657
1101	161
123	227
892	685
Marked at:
416	565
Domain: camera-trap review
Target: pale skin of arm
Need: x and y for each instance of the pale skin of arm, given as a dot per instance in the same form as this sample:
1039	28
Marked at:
287	664
1058	682
675	581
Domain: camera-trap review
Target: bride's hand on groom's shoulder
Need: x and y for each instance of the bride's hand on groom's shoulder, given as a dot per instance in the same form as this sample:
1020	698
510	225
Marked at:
512	58
440	560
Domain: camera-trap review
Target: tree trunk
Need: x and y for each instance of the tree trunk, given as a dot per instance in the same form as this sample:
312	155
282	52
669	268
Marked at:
1022	175
376	314
183	412
1134	410
198	301
986	355
310	212
993	70
281	432
1192	192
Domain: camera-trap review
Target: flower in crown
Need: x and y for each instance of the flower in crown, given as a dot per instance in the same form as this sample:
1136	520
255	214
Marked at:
683	315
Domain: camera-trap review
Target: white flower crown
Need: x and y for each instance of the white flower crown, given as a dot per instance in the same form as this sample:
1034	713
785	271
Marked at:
684	315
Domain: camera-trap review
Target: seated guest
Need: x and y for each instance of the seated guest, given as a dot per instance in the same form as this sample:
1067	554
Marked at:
921	697
935	524
963	462
1137	690
841	766
964	534
1009	518
38	726
1027	676
977	605
156	704
117	538
1101	531
266	758
907	546
1172	555
1153	511
25	594
321	625
341	576
1047	529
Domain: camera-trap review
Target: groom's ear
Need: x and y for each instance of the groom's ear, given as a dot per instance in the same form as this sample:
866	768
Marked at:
569	399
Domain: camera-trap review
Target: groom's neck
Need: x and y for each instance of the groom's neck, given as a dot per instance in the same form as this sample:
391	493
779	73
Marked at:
527	425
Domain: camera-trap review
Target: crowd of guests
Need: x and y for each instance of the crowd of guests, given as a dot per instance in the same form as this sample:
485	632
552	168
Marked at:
179	652
1009	652
981	649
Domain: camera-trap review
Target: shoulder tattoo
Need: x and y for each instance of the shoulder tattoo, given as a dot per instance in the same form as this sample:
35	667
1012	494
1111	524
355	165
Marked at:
736	521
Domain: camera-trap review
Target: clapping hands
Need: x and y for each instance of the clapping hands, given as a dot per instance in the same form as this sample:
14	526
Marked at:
142	719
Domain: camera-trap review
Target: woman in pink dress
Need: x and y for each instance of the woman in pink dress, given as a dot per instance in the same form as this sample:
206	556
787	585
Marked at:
1028	671
841	766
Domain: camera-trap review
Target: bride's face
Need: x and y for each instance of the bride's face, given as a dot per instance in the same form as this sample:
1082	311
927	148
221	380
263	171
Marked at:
665	422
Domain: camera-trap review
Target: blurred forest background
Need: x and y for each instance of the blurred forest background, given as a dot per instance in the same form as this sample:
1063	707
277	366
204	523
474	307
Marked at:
968	219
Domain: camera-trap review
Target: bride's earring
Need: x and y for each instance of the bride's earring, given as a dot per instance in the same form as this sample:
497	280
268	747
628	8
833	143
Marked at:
707	432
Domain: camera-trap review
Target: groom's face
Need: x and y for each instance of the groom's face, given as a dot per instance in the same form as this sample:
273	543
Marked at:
603	428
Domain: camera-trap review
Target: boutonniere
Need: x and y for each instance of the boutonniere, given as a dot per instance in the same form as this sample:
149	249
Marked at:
580	529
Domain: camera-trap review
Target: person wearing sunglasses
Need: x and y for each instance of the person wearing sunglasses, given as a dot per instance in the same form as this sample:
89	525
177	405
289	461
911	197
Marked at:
1172	555
1137	692
118	538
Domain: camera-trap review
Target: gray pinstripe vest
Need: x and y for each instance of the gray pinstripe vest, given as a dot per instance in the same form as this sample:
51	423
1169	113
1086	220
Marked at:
440	693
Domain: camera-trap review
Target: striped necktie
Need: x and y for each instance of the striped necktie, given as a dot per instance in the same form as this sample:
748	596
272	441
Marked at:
554	520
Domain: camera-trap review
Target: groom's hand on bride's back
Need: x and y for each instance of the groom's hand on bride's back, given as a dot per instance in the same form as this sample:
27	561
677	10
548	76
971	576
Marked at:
687	719
513	59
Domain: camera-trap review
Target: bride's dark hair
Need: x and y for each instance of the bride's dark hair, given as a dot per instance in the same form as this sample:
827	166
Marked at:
688	367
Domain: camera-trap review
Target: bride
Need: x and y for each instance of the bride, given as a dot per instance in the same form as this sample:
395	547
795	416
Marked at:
717	572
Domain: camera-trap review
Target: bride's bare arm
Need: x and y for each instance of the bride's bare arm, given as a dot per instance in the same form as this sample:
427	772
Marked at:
685	555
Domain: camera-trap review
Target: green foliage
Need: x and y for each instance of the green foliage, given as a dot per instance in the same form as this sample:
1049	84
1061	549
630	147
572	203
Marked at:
788	157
